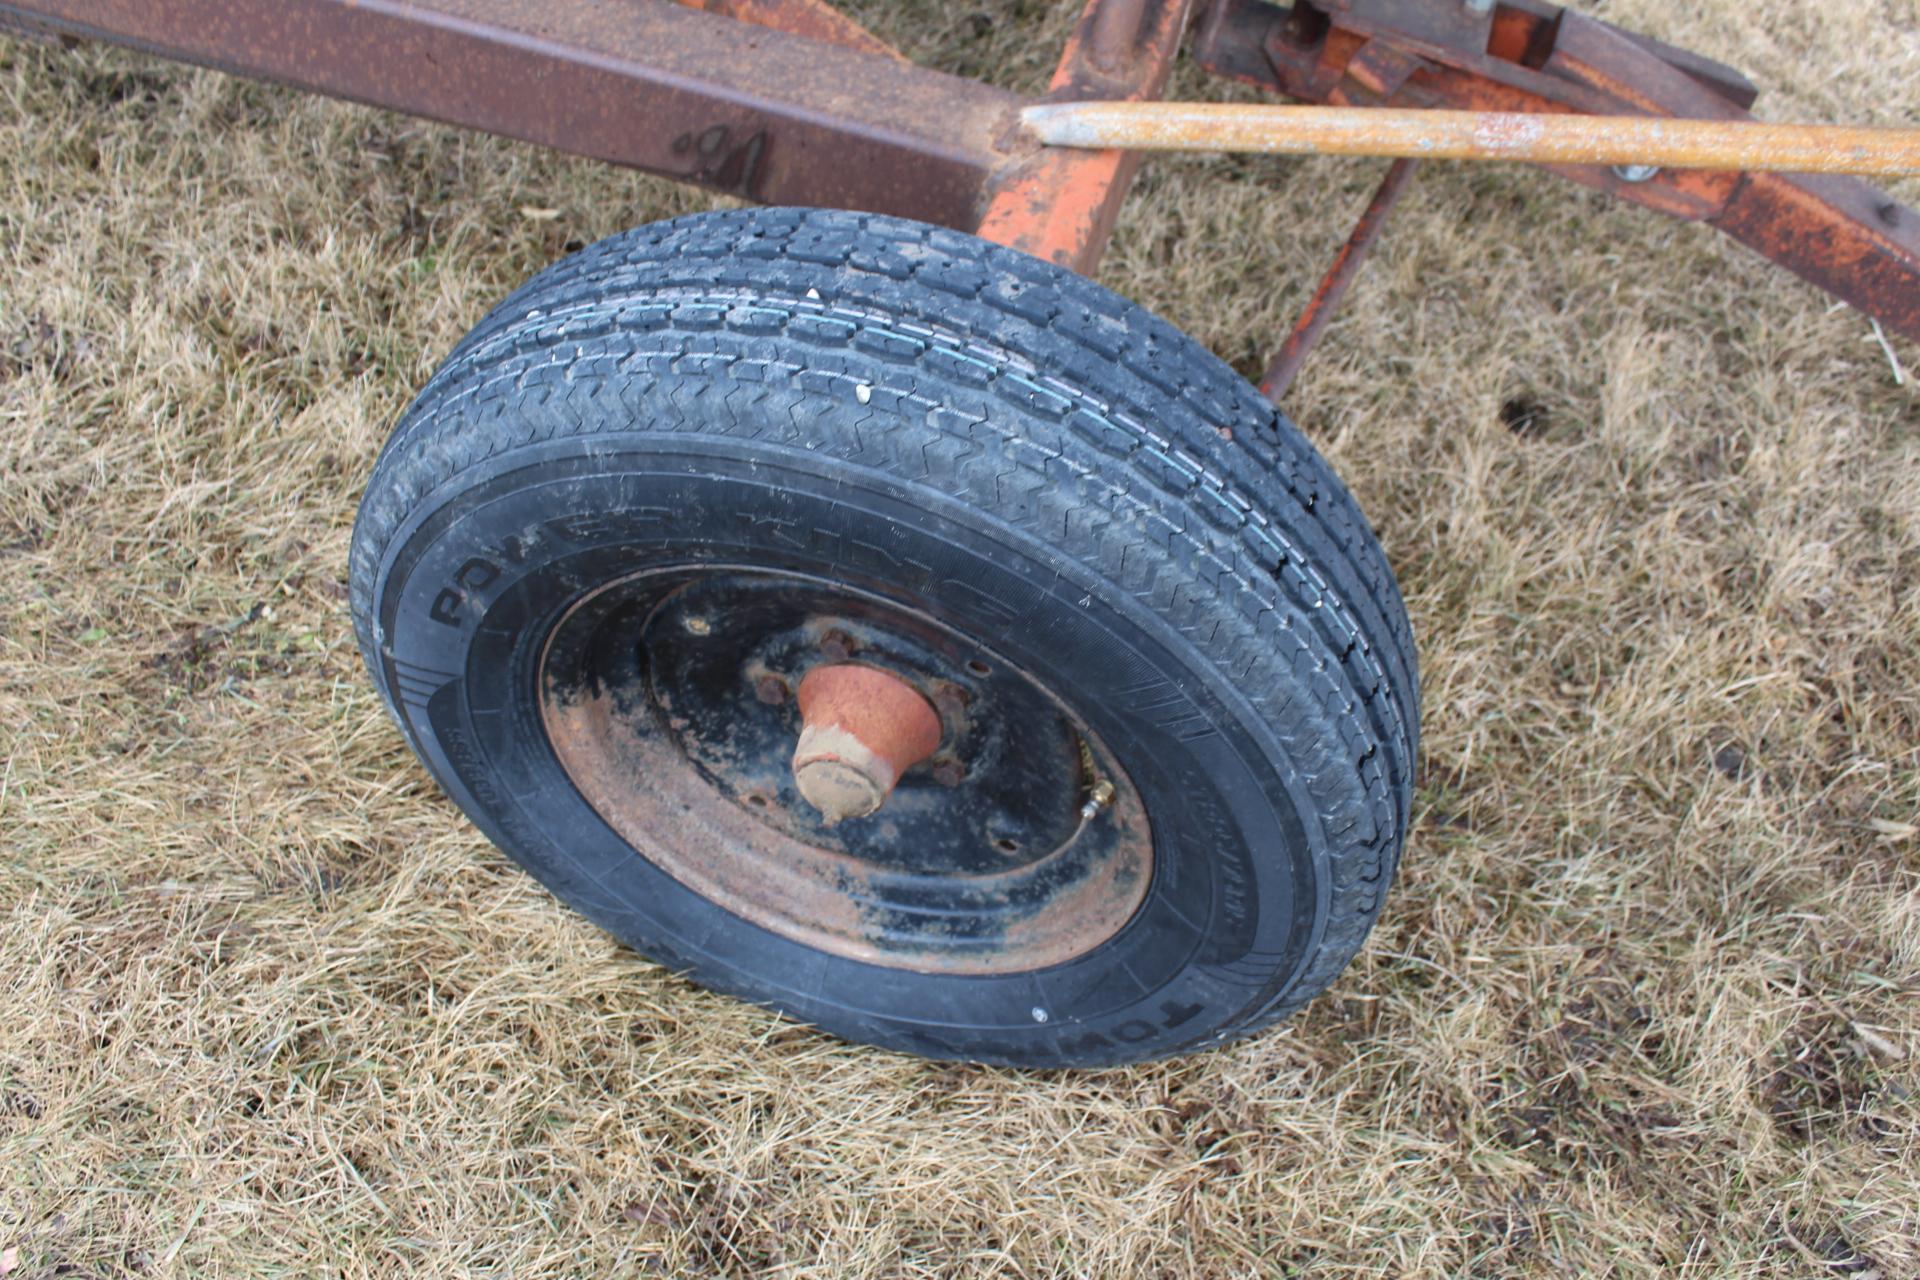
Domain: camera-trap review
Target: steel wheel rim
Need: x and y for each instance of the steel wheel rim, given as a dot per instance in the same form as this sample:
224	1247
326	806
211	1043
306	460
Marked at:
667	699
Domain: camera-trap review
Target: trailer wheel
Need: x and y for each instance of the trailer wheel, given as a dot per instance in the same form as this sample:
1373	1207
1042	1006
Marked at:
900	632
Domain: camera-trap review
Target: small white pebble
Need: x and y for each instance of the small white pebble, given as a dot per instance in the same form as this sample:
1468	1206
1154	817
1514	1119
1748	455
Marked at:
863	393
1039	1014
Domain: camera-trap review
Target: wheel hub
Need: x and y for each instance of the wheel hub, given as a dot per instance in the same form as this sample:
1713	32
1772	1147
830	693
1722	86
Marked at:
845	771
861	728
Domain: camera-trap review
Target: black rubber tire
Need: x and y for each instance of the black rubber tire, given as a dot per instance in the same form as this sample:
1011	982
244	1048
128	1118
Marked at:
993	439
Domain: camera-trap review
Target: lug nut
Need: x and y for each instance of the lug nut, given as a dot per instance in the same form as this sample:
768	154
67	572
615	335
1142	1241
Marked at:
836	646
949	772
771	690
950	700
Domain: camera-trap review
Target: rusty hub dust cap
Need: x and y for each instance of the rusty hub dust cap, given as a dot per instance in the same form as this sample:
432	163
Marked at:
861	728
844	770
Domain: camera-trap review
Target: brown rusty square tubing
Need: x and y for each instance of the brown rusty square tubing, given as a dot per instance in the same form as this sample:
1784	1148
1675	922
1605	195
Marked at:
762	114
1532	138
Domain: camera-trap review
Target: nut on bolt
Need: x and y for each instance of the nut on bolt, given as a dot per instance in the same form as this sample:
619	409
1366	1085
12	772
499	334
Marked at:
836	646
949	772
950	700
771	690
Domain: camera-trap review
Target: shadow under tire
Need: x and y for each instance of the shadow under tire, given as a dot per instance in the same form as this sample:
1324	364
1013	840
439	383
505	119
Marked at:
1174	678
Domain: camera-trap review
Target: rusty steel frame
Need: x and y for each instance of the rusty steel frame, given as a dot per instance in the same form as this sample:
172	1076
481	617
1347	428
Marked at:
764	114
1841	234
792	102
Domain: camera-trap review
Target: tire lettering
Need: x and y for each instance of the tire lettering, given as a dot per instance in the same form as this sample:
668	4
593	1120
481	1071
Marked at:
446	607
475	575
1234	889
836	548
515	550
1082	1044
604	526
479	573
471	767
1177	1013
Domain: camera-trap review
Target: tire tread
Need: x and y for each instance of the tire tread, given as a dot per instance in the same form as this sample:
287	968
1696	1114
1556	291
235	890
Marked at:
1175	463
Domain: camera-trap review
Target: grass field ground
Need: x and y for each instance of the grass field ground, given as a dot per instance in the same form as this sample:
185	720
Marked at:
1646	999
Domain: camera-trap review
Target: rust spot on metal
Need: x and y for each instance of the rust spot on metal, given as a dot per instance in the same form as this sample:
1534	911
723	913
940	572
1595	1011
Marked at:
640	783
950	700
1841	234
1835	233
1546	137
1113	35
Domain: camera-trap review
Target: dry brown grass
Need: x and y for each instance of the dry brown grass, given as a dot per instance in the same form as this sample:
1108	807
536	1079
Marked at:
1646	1000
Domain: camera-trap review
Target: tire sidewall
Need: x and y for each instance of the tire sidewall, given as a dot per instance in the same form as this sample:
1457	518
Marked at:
474	582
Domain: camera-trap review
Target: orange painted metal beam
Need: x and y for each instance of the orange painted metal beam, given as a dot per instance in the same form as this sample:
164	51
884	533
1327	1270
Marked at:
815	19
1061	205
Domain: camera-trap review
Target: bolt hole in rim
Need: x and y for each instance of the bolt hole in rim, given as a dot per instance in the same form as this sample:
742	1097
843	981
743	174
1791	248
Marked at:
651	697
